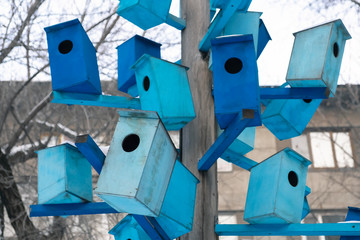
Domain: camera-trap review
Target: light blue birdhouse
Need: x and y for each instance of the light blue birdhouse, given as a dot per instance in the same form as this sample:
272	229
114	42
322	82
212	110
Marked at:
164	87
138	166
128	53
235	75
242	145
72	58
288	118
144	13
277	189
316	56
128	228
64	176
177	212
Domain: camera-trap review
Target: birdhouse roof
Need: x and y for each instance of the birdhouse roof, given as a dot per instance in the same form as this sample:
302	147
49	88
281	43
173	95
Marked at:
57	146
337	22
123	223
147	57
142	39
62	25
232	39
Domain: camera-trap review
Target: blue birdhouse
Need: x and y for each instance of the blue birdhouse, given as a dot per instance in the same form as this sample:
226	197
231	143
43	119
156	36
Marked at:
236	84
242	145
64	176
128	53
352	215
144	13
72	58
177	212
277	189
288	118
263	38
164	87
316	56
138	166
128	228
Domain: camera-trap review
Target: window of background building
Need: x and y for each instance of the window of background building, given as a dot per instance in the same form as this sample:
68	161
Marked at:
325	149
227	219
223	166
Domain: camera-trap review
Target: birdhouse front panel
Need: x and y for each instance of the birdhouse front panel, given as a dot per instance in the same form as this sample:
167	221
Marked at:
316	56
144	13
277	189
128	228
137	169
164	87
288	118
72	57
236	84
128	53
177	212
64	176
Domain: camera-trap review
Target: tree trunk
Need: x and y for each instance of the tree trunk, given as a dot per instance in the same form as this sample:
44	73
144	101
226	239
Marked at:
199	134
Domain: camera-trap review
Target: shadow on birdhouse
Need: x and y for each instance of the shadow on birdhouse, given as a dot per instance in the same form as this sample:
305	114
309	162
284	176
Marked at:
164	87
235	75
316	56
138	166
128	53
288	118
129	229
64	176
72	56
277	189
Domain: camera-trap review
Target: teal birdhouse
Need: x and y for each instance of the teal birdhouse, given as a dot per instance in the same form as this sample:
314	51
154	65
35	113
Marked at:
138	166
277	189
177	212
64	176
128	228
72	56
128	53
288	118
235	75
164	87
316	56
144	13
242	145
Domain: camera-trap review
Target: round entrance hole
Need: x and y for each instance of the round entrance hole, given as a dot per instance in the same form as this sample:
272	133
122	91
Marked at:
233	65
307	100
336	50
130	142
293	178
146	83
65	46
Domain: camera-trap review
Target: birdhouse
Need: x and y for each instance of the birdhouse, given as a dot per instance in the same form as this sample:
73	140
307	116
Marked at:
144	13
128	53
235	75
138	166
263	38
277	189
354	216
177	212
128	228
288	118
243	144
316	56
164	87
64	176
72	58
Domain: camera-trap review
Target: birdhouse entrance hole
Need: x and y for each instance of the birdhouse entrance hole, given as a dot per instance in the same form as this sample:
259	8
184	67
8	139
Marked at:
130	142
233	65
146	83
65	46
293	178
336	49
307	100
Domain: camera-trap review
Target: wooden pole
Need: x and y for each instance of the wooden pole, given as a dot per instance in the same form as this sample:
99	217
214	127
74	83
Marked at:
199	134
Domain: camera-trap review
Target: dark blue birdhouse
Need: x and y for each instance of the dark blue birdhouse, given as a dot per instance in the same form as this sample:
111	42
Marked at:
316	56
277	189
72	58
138	166
236	84
128	53
64	176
